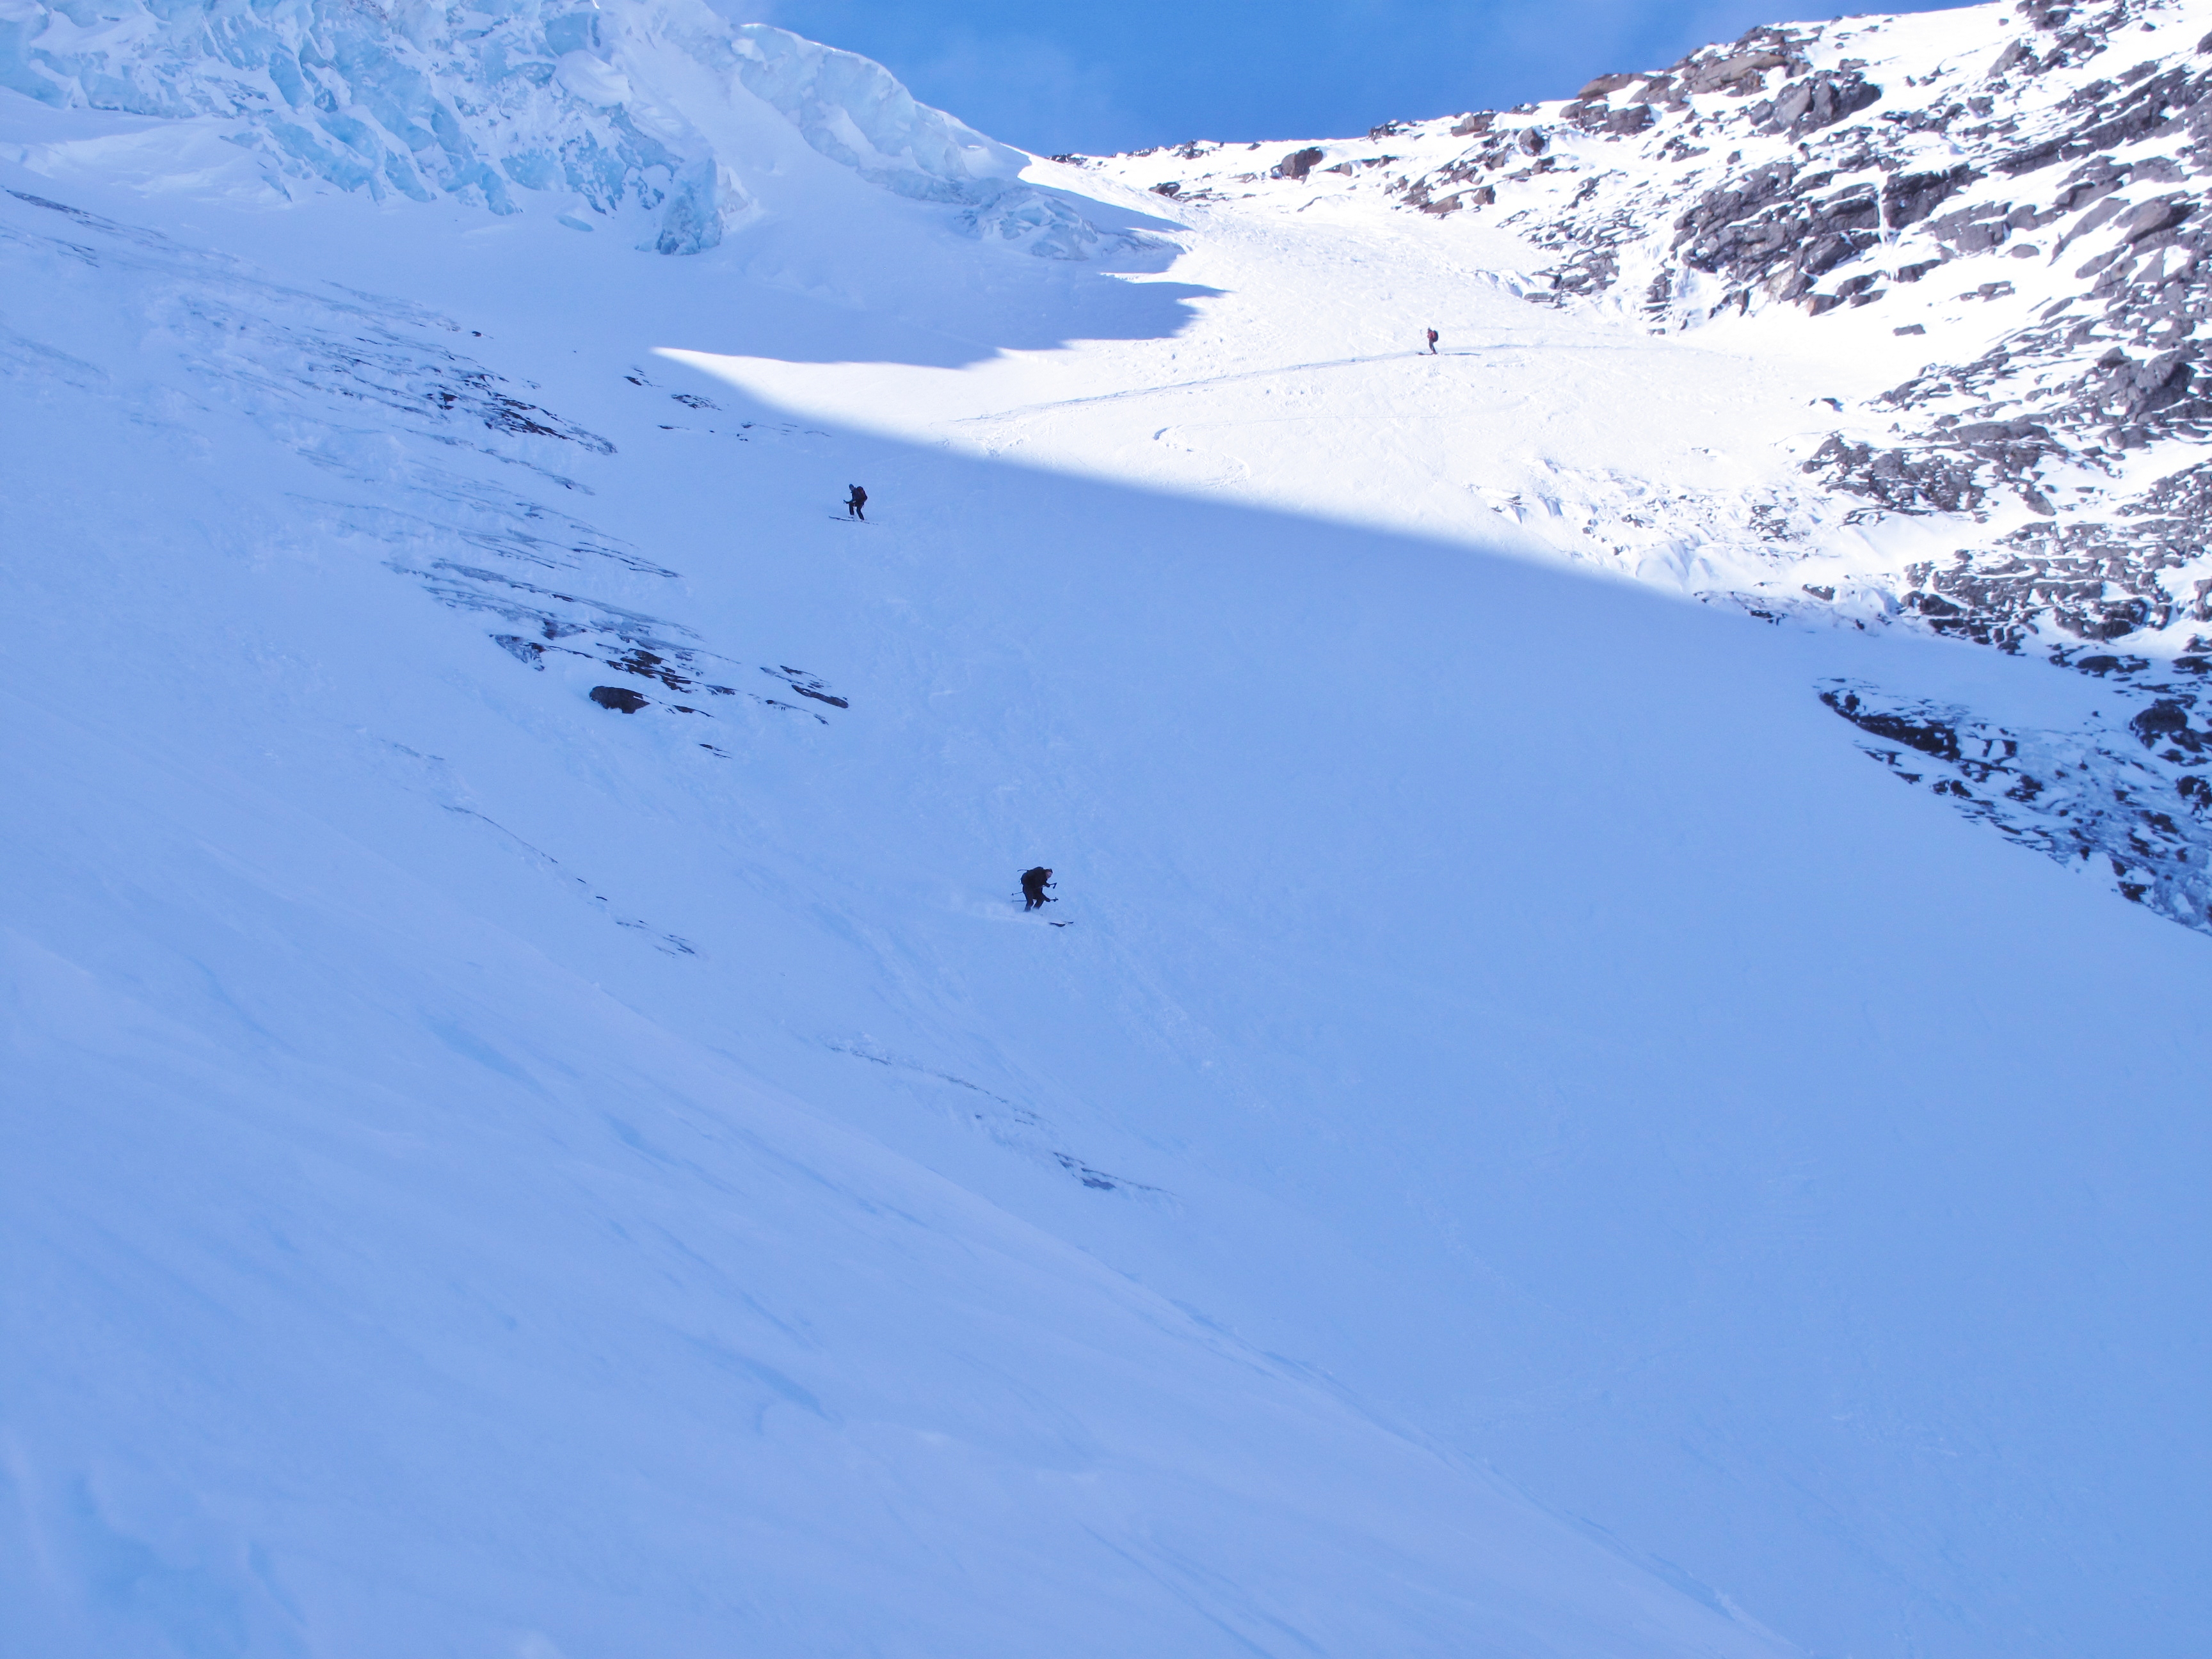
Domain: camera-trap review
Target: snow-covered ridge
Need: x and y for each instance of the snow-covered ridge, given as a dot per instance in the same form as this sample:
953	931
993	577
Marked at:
654	113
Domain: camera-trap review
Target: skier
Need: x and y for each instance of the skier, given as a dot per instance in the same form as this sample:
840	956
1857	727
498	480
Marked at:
860	499
1432	342
1033	886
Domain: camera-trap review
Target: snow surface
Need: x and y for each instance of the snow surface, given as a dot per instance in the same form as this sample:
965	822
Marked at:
1529	1146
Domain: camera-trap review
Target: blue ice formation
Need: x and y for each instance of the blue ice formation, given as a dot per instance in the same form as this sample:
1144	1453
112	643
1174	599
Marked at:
480	100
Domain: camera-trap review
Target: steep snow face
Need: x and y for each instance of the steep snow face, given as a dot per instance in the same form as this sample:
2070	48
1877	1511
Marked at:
649	114
536	1126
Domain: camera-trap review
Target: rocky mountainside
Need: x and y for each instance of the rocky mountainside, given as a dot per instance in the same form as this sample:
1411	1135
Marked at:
1993	222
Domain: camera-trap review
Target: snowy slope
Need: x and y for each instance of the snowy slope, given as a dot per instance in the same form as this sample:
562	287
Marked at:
1529	1146
1888	322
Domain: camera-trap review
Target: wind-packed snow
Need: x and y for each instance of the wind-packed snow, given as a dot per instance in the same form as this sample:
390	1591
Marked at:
1527	1144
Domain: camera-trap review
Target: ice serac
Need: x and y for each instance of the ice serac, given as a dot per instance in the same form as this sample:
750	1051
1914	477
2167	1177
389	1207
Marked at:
854	111
655	112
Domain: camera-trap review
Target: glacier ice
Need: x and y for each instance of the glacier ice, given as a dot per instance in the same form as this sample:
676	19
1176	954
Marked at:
854	111
653	110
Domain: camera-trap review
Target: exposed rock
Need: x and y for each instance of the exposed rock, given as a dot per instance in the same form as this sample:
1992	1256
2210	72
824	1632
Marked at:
2095	580
1909	197
1738	72
1933	481
2165	723
1606	84
618	697
2150	216
2137	820
1768	228
1974	229
1820	99
2104	117
1918	729
806	685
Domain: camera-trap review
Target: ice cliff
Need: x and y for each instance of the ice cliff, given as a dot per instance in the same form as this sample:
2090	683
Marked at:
657	116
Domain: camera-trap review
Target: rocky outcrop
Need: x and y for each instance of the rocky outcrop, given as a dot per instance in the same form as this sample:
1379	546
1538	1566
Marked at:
1909	197
2128	807
2095	580
1899	481
1820	99
1775	228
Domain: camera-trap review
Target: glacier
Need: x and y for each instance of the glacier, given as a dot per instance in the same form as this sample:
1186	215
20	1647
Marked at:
648	116
1529	1142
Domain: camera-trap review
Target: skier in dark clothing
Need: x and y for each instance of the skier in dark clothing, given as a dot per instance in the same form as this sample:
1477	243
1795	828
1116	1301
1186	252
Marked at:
1432	342
860	499
1033	886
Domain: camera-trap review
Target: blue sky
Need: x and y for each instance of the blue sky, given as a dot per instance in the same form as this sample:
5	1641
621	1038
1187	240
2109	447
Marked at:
1085	74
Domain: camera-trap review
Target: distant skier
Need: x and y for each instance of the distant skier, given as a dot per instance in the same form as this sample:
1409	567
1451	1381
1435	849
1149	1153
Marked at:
859	499
1432	342
1034	882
